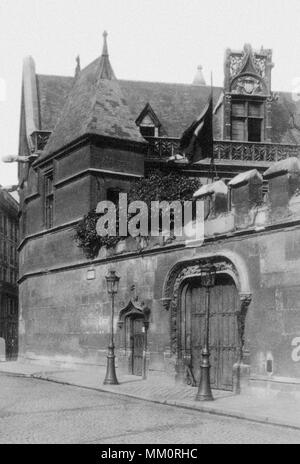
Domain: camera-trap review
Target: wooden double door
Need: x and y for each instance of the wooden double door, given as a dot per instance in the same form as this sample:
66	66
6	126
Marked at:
223	333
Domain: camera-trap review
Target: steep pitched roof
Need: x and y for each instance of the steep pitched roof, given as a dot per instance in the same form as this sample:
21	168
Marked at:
53	92
286	118
94	105
176	105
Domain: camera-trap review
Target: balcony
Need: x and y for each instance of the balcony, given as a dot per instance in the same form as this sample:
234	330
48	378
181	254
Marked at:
253	151
163	147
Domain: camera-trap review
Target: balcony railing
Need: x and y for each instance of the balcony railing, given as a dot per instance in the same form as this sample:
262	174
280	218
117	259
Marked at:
164	147
254	151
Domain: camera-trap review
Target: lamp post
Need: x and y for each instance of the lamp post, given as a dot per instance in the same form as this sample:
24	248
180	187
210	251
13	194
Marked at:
208	278
146	312
112	282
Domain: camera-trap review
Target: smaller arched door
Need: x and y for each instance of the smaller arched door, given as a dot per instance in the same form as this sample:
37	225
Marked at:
135	332
133	324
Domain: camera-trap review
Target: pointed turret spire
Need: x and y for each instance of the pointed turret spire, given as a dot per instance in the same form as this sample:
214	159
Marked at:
105	49
199	78
105	71
78	68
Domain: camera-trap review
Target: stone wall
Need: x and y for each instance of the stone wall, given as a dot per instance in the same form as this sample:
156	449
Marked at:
64	313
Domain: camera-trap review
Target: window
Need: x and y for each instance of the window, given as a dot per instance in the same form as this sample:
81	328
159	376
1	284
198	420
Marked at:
246	121
5	225
148	122
16	232
112	194
11	254
48	196
24	218
147	131
5	251
5	271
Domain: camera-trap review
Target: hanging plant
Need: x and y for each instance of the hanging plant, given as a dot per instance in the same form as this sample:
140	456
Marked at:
158	185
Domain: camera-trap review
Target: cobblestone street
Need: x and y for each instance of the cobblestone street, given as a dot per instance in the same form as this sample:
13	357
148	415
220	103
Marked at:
36	411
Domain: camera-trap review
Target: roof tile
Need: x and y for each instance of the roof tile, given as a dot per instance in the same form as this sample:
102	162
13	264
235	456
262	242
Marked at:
93	106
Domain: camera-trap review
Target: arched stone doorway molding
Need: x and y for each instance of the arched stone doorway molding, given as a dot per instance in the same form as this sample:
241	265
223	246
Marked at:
226	262
133	324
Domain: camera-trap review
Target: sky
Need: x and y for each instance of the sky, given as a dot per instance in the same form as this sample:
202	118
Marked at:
156	40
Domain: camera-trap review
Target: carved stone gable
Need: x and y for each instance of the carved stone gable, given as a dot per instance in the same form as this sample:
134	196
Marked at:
247	85
248	71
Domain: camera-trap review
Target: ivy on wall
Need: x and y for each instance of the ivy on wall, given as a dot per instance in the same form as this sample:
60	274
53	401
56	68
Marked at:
158	185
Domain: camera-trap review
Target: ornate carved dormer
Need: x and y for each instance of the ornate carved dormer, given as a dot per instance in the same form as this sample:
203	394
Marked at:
247	87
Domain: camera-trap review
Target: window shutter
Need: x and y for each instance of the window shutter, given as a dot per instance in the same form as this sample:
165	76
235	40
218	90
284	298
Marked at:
238	109
255	110
237	129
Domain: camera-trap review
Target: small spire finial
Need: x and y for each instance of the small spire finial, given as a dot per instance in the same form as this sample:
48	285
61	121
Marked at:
199	78
105	49
78	68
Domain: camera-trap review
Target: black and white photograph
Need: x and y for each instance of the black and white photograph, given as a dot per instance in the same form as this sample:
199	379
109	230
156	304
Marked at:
149	225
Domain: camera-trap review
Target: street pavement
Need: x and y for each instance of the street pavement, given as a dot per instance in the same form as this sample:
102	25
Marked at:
38	411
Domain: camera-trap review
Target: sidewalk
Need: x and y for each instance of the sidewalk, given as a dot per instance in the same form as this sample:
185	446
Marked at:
160	388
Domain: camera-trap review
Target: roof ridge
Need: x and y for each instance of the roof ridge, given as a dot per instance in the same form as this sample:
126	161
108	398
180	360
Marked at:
288	92
169	83
54	75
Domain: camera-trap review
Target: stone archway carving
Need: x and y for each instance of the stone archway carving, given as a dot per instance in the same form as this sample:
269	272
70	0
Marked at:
228	263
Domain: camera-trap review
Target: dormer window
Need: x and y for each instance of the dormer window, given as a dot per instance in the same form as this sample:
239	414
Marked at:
149	130
148	122
248	97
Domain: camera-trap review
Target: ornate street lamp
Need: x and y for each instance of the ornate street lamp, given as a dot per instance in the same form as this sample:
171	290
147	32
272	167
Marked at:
112	282
208	278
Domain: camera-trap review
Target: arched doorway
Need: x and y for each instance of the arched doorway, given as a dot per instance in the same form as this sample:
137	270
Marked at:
135	340
133	351
183	297
224	341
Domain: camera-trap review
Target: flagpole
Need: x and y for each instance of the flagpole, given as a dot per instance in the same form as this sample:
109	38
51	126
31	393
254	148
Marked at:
212	164
213	169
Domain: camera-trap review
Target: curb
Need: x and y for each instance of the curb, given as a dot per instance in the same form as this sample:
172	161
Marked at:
184	405
268	420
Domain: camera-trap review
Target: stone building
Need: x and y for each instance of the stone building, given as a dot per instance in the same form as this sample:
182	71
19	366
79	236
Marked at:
92	135
8	276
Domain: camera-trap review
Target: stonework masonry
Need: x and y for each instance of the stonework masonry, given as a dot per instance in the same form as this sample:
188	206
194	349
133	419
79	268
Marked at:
92	135
65	316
